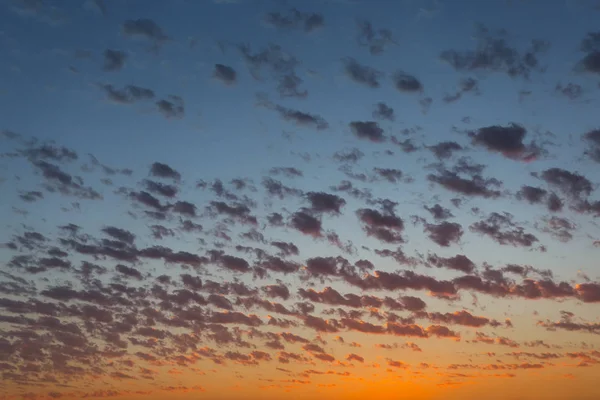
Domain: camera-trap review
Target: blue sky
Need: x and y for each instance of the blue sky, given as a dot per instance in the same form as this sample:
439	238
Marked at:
475	74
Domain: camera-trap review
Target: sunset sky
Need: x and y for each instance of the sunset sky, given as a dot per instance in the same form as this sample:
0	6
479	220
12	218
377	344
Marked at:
319	199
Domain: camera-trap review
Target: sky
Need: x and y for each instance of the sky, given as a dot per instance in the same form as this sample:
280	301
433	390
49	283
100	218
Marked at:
317	199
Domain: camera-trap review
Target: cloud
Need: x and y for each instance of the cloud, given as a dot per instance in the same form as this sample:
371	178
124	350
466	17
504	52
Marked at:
160	188
591	46
458	262
566	323
306	223
466	85
225	74
280	64
537	195
172	107
279	290
368	130
507	140
575	186
474	186
122	235
362	74
376	40
301	118
295	19
129	271
502	229
289	172
494	53
144	28
384	112
355	357
114	60
321	202
439	213
162	170
592	139
128	95
572	91
457	318
404	82
386	227
390	174
445	150
499	340
444	233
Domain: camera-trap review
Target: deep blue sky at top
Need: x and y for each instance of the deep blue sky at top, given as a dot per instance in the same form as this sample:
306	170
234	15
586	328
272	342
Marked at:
50	93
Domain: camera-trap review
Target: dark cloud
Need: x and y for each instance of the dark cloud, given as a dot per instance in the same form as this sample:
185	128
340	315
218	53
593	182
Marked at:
390	174
407	83
572	91
145	28
466	85
532	194
502	229
31	196
591	62
232	263
355	357
459	262
185	208
591	46
325	202
127	95
560	228
162	170
376	40
306	223
65	183
276	264
160	188
368	130
383	111
494	53
361	73
406	145
592	139
439	213
536	195
287	249
445	150
444	233
350	156
225	74
289	172
301	118
458	318
122	235
571	184
172	107
295	19
148	200
129	272
278	189
474	186
386	227
507	140
279	290
114	60
280	64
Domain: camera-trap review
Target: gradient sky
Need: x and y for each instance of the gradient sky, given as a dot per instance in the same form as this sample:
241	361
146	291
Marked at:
340	199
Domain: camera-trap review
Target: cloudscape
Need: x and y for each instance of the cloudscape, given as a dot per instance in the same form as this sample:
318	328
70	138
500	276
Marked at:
316	199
